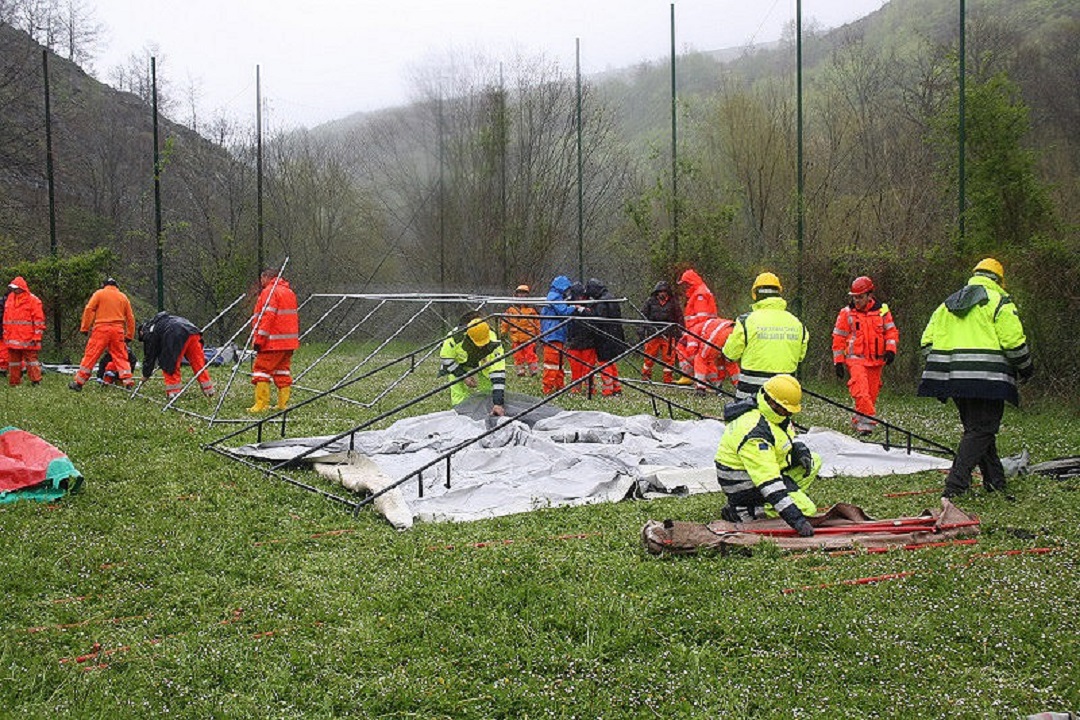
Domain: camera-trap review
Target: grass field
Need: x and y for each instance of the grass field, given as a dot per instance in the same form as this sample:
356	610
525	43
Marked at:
179	584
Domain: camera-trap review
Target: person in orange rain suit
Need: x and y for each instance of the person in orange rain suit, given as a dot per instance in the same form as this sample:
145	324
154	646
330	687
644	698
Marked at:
661	307
107	371
110	323
864	340
700	307
166	340
521	325
23	327
277	334
710	365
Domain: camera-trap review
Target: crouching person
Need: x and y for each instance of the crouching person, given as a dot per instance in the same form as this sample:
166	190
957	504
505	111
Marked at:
472	344
761	468
166	340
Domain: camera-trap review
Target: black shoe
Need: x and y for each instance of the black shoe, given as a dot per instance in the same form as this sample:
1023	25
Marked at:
74	386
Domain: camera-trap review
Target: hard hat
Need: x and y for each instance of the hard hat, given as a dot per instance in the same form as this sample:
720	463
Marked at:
766	284
861	285
479	332
522	288
991	265
785	391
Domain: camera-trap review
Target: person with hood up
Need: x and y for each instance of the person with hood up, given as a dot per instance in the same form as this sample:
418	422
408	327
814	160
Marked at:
23	328
864	341
522	324
766	341
276	326
610	338
976	352
553	330
581	340
168	338
110	324
761	468
700	306
660	307
470	345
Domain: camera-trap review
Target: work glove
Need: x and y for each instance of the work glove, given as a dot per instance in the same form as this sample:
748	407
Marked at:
889	357
1026	372
840	371
801	455
804	528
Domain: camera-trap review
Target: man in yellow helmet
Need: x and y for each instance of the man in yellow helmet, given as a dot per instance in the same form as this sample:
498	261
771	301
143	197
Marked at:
762	469
766	341
472	344
976	351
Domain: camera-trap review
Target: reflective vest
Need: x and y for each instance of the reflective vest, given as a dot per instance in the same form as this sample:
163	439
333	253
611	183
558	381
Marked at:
276	321
753	453
863	336
24	318
459	355
974	345
766	341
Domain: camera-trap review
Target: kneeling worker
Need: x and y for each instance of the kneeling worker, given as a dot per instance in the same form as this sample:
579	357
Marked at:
470	345
761	468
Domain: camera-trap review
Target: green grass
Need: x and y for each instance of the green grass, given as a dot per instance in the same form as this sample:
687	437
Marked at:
208	590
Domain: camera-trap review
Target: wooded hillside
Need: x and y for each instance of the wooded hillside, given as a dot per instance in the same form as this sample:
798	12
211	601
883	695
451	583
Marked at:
475	187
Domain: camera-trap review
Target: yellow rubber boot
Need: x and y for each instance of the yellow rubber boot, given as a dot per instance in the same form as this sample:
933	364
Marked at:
262	398
283	397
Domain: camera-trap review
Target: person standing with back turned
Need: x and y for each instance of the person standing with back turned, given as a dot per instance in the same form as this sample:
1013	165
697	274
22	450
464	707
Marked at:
975	350
276	325
110	324
766	341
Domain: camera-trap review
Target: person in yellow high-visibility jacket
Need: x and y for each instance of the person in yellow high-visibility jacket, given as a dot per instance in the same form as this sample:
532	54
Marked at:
472	344
976	351
761	468
766	341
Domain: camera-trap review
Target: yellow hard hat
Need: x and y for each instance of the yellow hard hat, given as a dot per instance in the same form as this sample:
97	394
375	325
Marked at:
479	332
991	265
785	391
522	288
766	284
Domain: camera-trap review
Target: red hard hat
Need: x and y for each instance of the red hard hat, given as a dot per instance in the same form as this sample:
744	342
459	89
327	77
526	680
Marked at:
861	284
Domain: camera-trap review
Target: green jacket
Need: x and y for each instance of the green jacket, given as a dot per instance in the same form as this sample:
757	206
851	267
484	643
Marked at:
975	345
765	342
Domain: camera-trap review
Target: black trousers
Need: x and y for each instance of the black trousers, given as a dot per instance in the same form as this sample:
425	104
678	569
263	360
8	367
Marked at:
981	419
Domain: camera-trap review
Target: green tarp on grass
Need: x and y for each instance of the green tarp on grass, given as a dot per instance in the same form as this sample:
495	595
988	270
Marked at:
32	469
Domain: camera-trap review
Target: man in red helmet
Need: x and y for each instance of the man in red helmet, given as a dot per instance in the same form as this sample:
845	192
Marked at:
864	340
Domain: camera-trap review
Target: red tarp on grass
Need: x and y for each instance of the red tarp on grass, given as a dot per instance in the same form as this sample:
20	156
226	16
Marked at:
32	469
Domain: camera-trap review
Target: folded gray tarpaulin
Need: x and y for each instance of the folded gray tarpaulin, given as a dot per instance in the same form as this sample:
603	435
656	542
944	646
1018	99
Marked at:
1061	468
569	458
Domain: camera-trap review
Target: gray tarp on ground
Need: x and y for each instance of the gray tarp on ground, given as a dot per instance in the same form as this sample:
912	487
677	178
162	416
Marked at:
570	458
